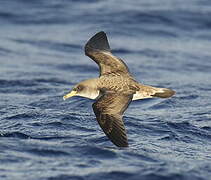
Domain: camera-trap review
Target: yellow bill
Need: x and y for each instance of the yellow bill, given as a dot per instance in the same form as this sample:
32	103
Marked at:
69	95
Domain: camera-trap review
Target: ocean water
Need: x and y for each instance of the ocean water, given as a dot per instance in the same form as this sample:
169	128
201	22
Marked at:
164	43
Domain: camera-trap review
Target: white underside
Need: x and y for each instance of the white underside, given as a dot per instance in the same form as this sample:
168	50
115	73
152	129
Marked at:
137	96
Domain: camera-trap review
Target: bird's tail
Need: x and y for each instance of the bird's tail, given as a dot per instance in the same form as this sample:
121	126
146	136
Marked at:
163	93
151	92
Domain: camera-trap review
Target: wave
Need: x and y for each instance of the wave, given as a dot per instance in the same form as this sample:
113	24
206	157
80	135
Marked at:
78	68
15	135
186	128
56	46
11	83
65	177
47	152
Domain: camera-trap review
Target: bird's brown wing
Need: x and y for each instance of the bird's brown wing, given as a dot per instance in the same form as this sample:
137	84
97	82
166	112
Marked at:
109	109
98	49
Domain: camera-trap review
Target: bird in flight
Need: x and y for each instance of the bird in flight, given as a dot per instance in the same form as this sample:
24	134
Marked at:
113	90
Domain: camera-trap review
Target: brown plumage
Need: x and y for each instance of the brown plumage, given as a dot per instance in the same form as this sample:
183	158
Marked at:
109	109
113	90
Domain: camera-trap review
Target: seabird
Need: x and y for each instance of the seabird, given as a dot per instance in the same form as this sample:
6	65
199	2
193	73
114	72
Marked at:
113	90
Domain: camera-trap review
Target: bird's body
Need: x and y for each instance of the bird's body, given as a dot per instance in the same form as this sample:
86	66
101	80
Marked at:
120	83
113	90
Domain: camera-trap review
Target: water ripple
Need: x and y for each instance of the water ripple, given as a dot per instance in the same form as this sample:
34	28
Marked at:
15	135
166	43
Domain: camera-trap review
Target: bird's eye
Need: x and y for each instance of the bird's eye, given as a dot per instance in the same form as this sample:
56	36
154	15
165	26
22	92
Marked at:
79	88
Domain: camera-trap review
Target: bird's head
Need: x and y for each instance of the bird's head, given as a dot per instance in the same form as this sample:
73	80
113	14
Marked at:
85	88
77	90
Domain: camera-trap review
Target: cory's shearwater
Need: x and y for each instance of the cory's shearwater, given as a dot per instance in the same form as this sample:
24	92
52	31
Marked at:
113	90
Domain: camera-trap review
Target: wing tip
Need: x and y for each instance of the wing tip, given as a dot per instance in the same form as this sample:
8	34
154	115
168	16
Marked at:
98	42
122	145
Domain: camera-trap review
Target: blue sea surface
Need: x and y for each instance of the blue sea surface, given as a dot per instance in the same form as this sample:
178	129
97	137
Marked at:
165	43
